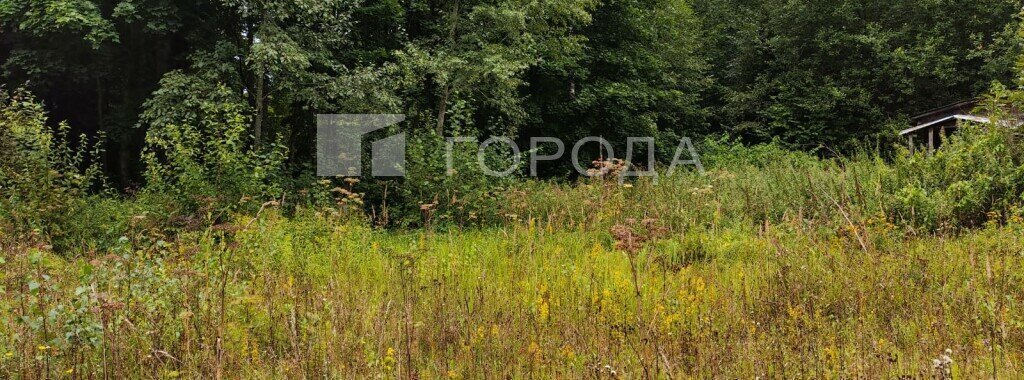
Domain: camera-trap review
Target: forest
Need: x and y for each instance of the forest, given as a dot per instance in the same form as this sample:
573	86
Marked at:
162	216
814	75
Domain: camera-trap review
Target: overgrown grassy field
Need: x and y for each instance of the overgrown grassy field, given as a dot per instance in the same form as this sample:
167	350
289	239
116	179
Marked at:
165	213
773	265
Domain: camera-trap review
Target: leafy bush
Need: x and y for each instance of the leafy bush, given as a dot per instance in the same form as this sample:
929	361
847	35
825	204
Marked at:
43	179
978	175
199	150
724	152
430	193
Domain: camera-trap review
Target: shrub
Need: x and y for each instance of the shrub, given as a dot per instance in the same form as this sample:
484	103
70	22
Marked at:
430	193
199	150
43	179
977	175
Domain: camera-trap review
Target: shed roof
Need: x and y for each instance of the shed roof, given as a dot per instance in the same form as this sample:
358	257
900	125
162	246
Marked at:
957	117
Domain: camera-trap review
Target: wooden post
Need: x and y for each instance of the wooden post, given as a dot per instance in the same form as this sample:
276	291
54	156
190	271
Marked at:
910	142
931	140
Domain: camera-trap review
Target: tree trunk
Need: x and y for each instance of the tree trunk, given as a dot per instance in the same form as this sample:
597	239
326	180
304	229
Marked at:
258	118
447	91
442	108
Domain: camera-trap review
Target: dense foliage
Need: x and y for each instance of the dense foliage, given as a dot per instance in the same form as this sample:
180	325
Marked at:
814	72
210	106
160	215
775	264
807	72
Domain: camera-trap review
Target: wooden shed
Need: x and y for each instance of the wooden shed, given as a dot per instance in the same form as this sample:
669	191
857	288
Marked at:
931	128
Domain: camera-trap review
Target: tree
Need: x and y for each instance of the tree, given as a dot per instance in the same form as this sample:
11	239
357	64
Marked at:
638	73
813	72
93	62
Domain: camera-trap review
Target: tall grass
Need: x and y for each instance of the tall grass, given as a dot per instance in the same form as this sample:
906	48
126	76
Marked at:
773	265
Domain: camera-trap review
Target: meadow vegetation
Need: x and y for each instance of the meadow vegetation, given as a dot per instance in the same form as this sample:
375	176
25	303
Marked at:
773	264
160	216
